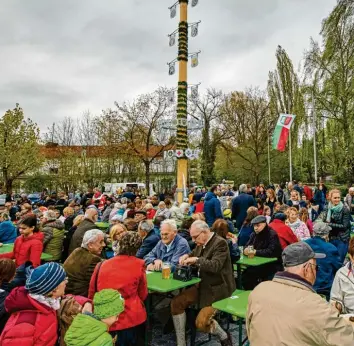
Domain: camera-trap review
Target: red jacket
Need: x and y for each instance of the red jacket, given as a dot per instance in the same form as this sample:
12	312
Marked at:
31	323
150	214
285	234
127	275
199	207
27	249
308	192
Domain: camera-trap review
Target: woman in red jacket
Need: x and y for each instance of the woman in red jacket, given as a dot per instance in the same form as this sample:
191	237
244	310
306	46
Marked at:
29	245
125	273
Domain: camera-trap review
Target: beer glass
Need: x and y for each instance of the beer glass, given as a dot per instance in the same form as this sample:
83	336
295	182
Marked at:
166	270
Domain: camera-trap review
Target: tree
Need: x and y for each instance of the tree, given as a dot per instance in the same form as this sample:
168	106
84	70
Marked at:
19	148
246	117
330	72
140	122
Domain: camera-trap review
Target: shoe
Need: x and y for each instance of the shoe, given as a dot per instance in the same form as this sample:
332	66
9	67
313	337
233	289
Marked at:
227	341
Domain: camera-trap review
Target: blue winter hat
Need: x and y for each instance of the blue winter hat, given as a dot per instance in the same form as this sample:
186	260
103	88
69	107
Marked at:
45	278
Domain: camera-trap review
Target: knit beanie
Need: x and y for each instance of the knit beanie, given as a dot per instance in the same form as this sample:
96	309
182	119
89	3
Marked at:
108	303
45	278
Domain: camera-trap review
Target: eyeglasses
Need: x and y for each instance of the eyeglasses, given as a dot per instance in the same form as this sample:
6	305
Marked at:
317	267
195	238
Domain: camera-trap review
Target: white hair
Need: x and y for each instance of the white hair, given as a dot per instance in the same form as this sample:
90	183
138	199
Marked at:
351	188
184	206
171	223
202	225
117	205
90	236
242	188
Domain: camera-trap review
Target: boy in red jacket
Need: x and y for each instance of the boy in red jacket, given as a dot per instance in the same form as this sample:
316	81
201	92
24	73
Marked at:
285	233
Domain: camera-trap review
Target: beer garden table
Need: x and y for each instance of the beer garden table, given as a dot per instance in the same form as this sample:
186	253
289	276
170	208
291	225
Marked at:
156	284
9	247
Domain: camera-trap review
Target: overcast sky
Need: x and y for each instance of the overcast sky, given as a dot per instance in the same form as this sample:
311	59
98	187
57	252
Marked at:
60	58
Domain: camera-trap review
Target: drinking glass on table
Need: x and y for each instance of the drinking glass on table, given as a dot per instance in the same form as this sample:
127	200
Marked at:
251	251
166	270
241	251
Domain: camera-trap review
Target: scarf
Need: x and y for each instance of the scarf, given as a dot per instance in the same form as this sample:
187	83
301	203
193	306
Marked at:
53	303
295	225
333	209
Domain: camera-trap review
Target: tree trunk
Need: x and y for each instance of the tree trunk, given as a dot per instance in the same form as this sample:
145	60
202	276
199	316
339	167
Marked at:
147	177
8	186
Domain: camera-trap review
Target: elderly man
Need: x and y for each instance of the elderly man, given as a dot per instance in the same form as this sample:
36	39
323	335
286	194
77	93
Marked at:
329	265
212	257
169	249
80	265
150	239
240	205
91	217
287	311
349	200
265	243
140	215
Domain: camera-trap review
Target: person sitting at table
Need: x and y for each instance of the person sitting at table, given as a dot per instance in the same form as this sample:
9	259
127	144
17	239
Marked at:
342	292
169	249
265	243
150	239
28	246
8	232
247	229
91	217
212	257
285	234
115	234
81	263
287	310
140	215
126	274
298	227
327	266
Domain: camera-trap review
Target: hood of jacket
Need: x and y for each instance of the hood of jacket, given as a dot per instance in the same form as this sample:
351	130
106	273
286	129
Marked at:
209	196
54	224
87	330
19	300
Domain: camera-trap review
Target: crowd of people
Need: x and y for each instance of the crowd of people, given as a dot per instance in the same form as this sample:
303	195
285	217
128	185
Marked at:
92	286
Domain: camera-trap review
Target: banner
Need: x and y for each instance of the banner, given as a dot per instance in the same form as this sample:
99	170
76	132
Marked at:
194	60
194	92
179	153
173	11
171	97
281	131
172	40
172	68
194	3
194	30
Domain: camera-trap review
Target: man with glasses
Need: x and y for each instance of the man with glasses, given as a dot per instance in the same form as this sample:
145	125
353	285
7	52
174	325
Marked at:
212	258
287	310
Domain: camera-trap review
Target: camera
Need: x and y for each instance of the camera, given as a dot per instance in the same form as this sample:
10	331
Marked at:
185	273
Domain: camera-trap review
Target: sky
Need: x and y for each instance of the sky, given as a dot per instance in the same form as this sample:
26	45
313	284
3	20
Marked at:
62	58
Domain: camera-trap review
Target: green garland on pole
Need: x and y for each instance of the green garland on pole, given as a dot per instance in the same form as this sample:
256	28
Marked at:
183	41
183	1
182	142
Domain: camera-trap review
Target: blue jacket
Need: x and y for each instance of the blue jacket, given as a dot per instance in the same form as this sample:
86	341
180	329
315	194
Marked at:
240	204
212	208
327	266
178	248
8	232
148	244
244	235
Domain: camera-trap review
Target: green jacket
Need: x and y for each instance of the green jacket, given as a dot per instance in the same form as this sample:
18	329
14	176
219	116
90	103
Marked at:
53	239
86	330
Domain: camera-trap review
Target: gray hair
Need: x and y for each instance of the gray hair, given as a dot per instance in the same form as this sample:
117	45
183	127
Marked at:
117	205
50	215
242	188
146	226
351	188
201	225
171	223
90	236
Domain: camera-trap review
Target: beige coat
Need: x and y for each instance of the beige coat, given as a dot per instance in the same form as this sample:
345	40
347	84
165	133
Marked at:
288	312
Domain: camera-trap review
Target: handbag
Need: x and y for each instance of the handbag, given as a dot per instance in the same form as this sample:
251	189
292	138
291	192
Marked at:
185	273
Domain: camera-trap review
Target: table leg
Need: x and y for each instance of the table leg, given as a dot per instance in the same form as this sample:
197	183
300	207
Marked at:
239	281
148	330
240	332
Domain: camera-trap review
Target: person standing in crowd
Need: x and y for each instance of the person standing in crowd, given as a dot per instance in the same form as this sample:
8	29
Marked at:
247	228
261	193
130	282
287	192
149	238
285	234
169	249
305	218
281	194
312	212
53	231
8	232
7	273
81	263
320	198
308	192
240	205
212	257
28	246
91	217
91	329
300	316
265	243
295	200
349	200
212	206
271	199
337	216
342	292
329	265
298	227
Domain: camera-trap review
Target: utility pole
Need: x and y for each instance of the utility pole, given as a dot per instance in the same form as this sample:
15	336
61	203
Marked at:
314	136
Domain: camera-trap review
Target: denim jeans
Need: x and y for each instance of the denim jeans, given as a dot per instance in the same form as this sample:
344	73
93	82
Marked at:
342	248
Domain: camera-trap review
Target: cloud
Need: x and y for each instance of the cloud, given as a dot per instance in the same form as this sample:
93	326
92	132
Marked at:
59	59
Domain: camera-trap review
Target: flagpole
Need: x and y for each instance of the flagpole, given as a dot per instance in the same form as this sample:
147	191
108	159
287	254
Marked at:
314	137
269	156
290	158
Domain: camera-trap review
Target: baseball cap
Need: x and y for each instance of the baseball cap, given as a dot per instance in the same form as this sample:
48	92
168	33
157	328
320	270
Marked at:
299	253
258	219
321	228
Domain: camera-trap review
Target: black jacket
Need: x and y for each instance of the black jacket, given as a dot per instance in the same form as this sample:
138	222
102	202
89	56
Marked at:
148	244
340	223
4	316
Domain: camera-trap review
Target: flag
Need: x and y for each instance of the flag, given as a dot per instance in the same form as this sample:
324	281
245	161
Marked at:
194	60
194	30
171	68
281	131
171	97
189	153
179	153
172	39
194	92
173	11
194	3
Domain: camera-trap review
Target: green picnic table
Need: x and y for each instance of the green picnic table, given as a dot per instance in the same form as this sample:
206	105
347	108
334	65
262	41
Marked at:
156	284
9	247
250	262
236	305
103	226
